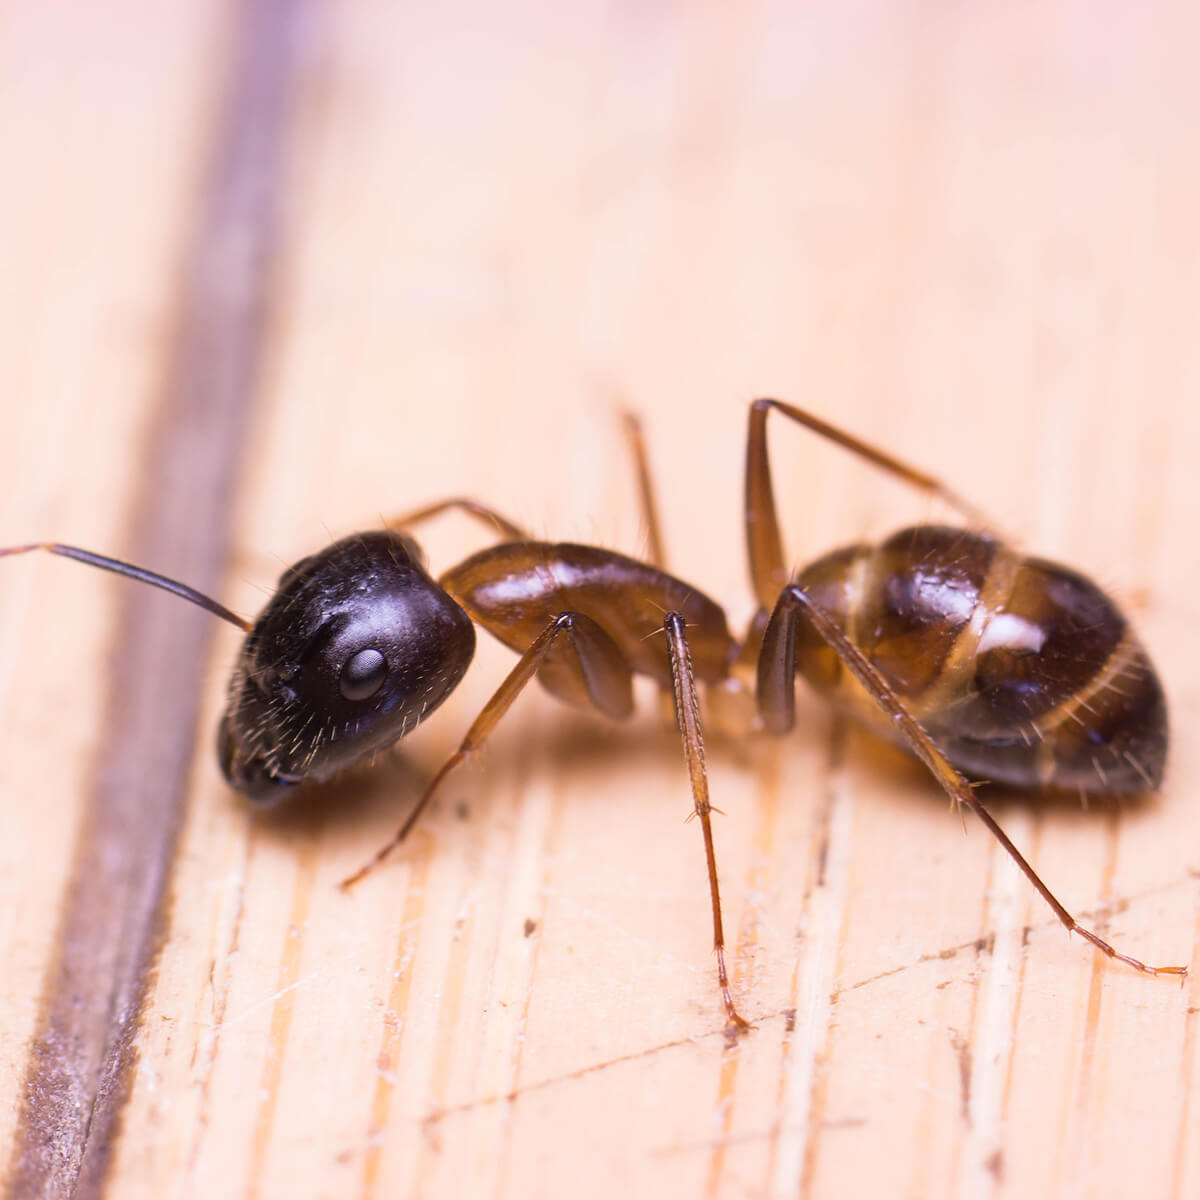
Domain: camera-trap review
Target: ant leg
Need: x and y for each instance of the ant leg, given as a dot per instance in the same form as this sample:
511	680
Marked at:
514	533
763	540
641	466
776	681
608	682
687	713
506	528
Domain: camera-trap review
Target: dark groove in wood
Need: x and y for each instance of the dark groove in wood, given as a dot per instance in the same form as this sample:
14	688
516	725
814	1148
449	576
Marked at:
114	919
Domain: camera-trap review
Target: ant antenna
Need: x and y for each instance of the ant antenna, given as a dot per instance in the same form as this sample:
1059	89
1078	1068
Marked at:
139	573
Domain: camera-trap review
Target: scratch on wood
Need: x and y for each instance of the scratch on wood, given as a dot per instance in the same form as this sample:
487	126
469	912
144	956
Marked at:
982	945
470	1106
963	1050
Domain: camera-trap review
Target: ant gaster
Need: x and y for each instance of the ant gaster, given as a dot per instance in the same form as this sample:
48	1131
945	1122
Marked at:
974	657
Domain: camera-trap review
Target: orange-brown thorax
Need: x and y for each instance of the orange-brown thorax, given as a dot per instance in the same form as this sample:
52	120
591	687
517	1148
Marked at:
514	589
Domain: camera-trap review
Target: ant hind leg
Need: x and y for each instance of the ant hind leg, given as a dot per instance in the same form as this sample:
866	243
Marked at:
776	683
763	539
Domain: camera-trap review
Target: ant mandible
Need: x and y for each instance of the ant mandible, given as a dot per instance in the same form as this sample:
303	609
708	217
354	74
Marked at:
974	657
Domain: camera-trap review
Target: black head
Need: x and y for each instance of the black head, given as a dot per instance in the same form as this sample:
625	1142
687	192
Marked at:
356	648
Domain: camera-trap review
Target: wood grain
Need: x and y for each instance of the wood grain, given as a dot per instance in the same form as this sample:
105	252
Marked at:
467	238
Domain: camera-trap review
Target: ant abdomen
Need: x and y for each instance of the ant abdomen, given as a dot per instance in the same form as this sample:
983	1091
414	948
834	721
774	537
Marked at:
356	647
1023	670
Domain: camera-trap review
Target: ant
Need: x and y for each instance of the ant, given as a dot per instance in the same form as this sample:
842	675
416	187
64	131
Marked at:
974	657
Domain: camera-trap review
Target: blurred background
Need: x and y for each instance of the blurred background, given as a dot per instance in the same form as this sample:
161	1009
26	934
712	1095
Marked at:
270	272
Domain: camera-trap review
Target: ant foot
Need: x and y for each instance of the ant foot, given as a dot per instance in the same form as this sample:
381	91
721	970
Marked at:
735	1027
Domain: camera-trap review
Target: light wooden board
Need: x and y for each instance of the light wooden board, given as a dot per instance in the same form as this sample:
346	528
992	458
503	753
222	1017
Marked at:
969	236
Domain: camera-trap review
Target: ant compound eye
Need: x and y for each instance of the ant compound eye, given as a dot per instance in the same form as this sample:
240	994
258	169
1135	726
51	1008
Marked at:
363	675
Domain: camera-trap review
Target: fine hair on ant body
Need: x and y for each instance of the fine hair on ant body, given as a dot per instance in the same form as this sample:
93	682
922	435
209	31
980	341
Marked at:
975	658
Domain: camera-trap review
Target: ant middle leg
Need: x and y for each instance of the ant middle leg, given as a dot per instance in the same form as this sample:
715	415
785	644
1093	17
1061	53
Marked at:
776	687
687	714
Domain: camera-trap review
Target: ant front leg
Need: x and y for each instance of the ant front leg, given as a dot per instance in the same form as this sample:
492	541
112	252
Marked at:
776	686
608	682
464	504
511	531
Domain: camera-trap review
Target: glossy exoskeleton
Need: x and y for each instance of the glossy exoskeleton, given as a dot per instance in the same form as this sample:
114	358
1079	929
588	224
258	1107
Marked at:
356	647
976	658
1023	671
360	644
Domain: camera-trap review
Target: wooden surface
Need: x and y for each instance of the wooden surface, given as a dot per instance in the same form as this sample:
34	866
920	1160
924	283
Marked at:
271	274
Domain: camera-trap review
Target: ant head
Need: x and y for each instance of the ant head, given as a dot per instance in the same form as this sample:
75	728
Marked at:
356	647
